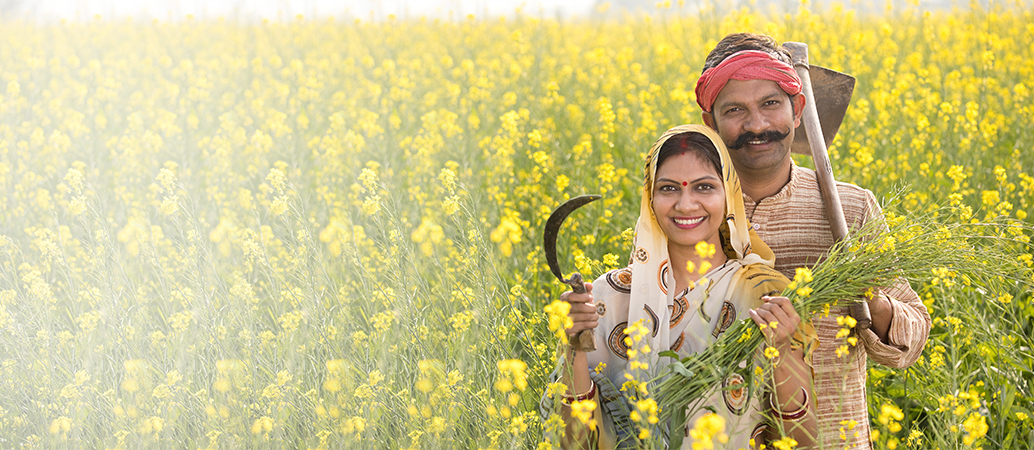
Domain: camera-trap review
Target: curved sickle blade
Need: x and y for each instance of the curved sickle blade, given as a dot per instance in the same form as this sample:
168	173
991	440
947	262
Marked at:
553	229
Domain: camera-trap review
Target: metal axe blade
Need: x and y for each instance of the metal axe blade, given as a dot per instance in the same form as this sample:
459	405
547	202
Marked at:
832	92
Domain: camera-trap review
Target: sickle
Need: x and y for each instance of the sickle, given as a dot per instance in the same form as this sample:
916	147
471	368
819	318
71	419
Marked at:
584	340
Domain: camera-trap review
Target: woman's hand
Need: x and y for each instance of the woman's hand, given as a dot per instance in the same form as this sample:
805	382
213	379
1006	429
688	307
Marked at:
583	311
778	311
792	394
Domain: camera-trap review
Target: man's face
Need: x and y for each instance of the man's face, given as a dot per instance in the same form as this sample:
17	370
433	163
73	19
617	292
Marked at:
756	120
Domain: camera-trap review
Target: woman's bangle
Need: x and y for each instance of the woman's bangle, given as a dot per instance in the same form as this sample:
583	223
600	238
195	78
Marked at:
792	416
588	395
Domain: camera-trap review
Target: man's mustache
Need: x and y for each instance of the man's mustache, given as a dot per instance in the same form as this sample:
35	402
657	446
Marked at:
770	135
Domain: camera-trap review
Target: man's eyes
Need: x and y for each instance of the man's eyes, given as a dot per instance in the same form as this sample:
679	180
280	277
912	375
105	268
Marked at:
736	109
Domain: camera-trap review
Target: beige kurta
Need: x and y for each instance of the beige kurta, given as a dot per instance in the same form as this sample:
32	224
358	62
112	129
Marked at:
794	225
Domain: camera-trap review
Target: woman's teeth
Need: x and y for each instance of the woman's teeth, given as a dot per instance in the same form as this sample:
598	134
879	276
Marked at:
689	221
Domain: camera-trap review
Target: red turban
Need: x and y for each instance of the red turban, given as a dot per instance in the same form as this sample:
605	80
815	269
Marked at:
745	65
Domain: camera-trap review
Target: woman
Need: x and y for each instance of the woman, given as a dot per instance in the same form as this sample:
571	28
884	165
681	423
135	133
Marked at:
691	195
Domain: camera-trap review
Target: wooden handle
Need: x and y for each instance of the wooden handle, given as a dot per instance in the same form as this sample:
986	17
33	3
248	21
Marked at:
584	341
823	168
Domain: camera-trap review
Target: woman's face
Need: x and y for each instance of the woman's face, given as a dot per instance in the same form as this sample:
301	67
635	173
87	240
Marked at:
689	200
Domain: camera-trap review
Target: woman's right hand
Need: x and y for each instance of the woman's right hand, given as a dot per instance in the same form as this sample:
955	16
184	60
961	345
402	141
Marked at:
583	311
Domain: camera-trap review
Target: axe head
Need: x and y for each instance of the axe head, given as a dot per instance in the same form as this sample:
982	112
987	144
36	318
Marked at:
833	92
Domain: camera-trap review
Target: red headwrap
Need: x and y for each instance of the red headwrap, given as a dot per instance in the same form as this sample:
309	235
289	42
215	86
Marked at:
745	65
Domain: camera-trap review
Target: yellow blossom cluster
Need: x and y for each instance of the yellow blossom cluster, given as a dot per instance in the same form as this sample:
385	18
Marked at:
231	234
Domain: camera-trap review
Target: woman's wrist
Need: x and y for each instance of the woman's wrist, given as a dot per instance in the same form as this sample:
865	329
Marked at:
589	394
794	409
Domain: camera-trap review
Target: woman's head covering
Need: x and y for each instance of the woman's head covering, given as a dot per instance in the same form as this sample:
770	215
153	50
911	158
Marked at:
741	238
652	285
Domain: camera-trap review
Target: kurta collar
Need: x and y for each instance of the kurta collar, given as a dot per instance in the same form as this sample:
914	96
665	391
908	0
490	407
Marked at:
786	191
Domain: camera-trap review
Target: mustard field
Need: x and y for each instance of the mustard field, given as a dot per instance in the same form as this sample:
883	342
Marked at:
322	234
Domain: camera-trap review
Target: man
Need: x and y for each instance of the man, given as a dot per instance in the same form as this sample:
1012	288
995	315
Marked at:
750	93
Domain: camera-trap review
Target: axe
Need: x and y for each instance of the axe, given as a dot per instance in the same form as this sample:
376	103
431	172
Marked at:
834	89
584	340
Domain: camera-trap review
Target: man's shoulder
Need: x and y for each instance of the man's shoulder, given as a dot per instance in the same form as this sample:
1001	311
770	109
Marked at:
807	182
857	202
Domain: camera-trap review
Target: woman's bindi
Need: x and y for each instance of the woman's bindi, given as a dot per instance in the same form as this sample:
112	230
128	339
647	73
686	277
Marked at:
685	183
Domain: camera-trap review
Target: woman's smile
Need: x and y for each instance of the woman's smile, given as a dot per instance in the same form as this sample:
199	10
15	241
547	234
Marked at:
688	201
688	223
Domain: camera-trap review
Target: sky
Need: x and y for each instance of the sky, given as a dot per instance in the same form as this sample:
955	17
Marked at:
272	9
381	9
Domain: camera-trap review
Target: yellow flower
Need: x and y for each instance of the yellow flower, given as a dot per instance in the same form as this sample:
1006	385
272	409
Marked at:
424	385
847	321
976	428
583	411
61	425
804	275
771	352
785	443
707	429
704	249
557	313
705	266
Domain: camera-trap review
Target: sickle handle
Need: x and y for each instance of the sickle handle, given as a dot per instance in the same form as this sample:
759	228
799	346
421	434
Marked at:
584	341
576	283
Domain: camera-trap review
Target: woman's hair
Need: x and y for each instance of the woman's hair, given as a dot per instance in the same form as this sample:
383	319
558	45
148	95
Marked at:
693	143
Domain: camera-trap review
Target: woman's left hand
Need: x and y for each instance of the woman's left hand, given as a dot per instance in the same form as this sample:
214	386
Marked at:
777	319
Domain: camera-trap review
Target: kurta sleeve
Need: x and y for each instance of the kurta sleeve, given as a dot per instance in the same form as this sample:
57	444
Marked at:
909	328
910	320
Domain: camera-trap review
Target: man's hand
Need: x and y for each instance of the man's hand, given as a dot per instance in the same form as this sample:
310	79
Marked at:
780	312
583	311
882	312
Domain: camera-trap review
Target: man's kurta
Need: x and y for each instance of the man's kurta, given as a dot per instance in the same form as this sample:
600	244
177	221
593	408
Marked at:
794	224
